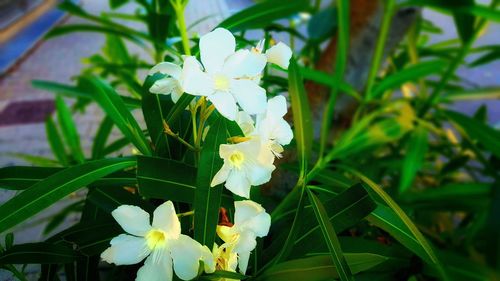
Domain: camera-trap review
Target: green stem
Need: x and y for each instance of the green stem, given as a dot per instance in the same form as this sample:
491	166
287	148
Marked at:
379	48
179	8
340	66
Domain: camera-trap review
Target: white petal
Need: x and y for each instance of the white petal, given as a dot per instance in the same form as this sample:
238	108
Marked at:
260	173
186	254
225	104
177	93
244	63
245	122
126	249
132	219
247	242
215	47
279	54
167	68
221	175
277	106
194	80
165	86
165	218
245	210
282	132
243	258
238	183
208	259
250	96
157	267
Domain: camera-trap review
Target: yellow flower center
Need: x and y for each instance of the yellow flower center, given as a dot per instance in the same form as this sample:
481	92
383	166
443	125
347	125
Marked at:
221	82
237	159
156	238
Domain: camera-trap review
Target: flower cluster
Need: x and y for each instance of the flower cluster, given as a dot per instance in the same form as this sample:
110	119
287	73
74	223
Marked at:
229	79
166	250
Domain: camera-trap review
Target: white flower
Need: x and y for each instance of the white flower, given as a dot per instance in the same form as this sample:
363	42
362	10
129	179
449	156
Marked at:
246	123
161	243
224	259
250	221
171	83
243	167
225	78
272	128
279	54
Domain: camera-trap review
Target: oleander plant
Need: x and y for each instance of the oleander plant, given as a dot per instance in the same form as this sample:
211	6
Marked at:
242	158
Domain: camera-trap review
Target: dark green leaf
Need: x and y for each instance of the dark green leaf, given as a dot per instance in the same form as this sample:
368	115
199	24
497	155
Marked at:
46	192
166	179
115	108
101	138
55	141
319	268
69	130
302	118
330	237
322	24
477	131
207	199
38	253
262	14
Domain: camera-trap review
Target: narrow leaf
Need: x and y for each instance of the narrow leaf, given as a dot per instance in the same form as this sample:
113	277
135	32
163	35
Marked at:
330	237
414	158
44	193
69	130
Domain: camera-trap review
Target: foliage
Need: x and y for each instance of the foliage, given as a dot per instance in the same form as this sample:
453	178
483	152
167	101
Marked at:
407	191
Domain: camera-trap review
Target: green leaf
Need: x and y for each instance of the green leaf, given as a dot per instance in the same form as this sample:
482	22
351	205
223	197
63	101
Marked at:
69	130
46	192
492	55
466	8
115	108
411	73
319	268
117	3
69	28
22	177
455	196
477	131
403	217
101	138
262	14
207	199
344	211
330	237
224	275
166	179
329	80
109	198
414	158
77	92
38	253
476	94
322	24
302	118
153	107
55	141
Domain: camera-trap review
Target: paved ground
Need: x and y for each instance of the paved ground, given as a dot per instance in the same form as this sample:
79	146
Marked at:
60	59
